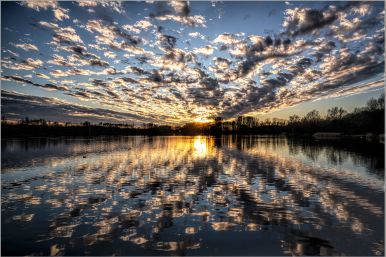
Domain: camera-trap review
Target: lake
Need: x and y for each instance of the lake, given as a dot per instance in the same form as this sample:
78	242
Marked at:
230	195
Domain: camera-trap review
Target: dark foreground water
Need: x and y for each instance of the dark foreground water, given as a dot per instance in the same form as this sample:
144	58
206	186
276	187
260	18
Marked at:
192	196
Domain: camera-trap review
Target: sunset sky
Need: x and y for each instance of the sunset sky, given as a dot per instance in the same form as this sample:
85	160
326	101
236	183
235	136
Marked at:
177	62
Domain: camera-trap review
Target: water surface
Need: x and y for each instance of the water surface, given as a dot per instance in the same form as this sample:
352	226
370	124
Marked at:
244	195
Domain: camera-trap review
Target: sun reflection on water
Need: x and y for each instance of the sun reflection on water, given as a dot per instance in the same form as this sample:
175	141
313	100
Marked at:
200	146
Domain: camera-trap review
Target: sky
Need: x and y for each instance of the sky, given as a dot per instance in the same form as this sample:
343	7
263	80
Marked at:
174	62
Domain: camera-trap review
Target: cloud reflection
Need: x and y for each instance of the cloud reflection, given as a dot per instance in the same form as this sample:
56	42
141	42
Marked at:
171	194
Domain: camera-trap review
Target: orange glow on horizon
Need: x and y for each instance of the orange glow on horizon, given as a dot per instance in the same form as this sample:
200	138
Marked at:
202	120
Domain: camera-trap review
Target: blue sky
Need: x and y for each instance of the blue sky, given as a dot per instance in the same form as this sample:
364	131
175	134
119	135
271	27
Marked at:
176	62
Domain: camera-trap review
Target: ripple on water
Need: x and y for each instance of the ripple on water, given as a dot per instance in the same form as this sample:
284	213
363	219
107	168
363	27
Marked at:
179	195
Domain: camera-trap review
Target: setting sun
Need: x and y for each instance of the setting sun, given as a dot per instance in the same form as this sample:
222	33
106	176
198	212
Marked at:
203	120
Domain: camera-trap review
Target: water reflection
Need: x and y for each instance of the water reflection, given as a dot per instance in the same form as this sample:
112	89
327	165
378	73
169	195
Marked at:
191	196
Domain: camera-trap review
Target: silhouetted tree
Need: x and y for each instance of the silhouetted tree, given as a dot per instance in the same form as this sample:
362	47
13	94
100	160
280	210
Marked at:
336	113
368	119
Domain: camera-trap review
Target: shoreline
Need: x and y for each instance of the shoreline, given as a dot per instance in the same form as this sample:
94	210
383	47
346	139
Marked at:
328	136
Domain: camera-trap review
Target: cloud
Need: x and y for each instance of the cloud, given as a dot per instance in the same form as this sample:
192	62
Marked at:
125	80
112	5
180	7
346	91
65	35
59	12
110	54
97	62
180	13
348	28
222	64
12	53
196	35
27	47
109	33
361	9
167	41
88	3
28	64
25	81
59	73
173	59
39	4
239	50
196	20
141	25
301	20
59	61
18	106
41	75
206	50
145	66
226	39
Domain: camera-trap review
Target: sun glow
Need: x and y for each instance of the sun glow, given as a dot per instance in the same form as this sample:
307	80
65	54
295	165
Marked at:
202	120
200	146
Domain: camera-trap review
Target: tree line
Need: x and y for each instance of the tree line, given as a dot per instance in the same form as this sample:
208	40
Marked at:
367	119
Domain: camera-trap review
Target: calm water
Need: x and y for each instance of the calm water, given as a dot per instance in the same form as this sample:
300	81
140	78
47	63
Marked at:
192	196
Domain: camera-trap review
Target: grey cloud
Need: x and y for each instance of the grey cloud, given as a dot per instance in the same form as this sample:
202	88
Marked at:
113	71
283	64
19	106
139	71
209	83
128	80
351	78
305	20
324	48
96	62
200	96
180	7
46	86
99	83
82	95
250	62
81	51
112	94
161	9
168	41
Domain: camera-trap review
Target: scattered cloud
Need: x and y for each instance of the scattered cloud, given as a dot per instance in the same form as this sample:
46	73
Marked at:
28	64
59	13
40	4
196	20
115	6
206	50
27	47
18	106
26	81
154	68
